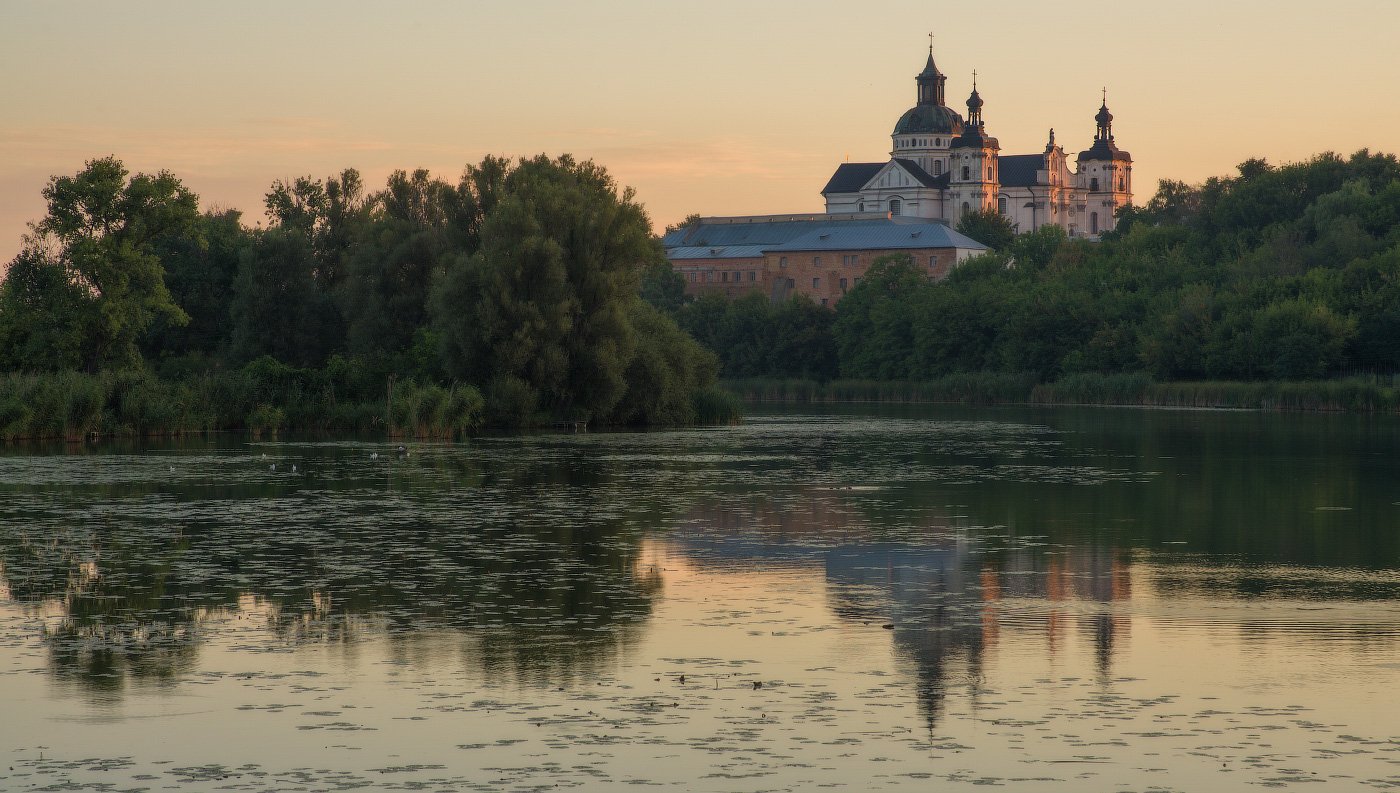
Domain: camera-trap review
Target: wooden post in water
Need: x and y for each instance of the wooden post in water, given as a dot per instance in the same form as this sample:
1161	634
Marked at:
389	408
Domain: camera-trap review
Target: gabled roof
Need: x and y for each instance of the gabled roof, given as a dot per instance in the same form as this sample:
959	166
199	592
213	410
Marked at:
924	177
850	177
1018	170
887	236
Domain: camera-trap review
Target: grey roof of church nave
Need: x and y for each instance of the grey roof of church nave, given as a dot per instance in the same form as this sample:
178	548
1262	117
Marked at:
1018	170
850	177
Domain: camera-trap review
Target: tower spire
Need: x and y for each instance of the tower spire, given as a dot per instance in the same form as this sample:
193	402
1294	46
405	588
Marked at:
1104	119
930	80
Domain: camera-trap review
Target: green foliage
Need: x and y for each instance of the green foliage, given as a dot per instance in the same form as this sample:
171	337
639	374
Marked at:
89	280
755	337
543	313
989	227
666	374
663	287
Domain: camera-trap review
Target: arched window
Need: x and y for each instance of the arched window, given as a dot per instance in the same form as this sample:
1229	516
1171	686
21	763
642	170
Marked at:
1001	205
966	207
967	173
1120	183
895	206
1094	185
989	173
937	167
1093	223
862	206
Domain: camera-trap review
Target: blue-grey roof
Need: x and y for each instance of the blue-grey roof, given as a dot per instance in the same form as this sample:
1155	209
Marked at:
850	177
716	252
1018	170
889	236
758	232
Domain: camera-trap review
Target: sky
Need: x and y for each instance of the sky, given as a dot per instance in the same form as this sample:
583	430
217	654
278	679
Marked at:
720	108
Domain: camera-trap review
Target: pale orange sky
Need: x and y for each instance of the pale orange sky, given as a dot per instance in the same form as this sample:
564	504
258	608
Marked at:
716	108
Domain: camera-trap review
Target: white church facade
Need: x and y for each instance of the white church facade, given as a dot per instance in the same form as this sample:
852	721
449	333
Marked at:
942	166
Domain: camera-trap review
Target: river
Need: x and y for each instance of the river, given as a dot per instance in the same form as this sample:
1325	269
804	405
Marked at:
858	598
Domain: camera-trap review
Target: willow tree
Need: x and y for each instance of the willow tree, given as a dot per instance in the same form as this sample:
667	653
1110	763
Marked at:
540	313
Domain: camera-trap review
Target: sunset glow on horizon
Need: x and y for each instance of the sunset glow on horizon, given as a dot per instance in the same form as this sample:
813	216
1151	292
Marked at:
726	109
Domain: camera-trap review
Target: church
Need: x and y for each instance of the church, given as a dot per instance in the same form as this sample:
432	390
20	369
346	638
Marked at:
943	166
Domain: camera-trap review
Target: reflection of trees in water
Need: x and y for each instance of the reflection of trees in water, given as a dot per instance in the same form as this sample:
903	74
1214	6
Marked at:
530	567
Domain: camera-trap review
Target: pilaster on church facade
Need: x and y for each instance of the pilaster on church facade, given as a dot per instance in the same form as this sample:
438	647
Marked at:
943	166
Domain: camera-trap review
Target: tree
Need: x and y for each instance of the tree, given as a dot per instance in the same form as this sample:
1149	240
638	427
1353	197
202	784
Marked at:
663	287
95	255
541	309
989	227
874	326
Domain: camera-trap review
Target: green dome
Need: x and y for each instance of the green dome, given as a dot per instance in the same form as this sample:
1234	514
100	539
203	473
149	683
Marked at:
929	120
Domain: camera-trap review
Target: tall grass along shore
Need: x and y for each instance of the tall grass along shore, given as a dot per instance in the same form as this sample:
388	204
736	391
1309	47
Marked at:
1358	394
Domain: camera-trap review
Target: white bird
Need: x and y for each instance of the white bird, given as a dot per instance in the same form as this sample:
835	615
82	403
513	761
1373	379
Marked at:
294	467
172	469
374	455
272	467
264	455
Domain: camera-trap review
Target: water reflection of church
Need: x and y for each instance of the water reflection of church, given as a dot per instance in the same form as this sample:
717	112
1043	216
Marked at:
951	598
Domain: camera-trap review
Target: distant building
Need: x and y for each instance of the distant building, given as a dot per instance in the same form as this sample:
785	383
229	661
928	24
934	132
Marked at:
942	167
820	256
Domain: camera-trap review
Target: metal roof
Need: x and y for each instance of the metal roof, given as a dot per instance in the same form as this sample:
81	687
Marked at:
761	232
889	236
1018	170
850	177
716	252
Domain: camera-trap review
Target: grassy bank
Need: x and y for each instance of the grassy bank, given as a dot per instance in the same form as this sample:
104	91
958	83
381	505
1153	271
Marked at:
264	398
1361	395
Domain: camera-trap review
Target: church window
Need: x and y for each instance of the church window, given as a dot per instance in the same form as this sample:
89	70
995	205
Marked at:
1120	183
989	173
862	206
1001	205
967	172
966	208
937	167
894	206
1094	185
1093	223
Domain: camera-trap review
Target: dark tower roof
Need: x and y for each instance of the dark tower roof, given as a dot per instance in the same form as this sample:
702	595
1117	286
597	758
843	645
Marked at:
930	116
974	135
1104	147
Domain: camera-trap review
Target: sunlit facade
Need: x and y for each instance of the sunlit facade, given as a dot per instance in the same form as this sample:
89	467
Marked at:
942	167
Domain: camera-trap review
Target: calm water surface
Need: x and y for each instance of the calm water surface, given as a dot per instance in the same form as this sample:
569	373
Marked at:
857	598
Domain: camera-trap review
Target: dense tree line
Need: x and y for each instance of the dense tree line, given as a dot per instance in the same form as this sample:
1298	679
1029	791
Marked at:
521	280
1276	273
